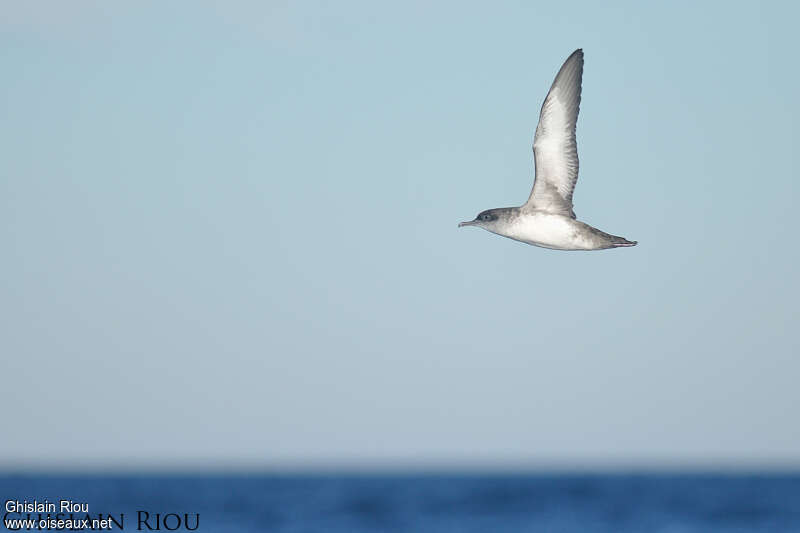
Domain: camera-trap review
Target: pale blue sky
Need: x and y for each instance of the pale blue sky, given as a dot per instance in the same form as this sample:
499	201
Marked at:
229	235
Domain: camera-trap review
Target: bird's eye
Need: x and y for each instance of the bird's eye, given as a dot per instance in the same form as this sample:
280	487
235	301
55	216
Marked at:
486	217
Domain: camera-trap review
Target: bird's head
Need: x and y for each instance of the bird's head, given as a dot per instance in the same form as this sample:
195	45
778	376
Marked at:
485	219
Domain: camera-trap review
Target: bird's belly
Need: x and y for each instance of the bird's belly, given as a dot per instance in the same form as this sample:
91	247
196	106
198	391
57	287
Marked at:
550	231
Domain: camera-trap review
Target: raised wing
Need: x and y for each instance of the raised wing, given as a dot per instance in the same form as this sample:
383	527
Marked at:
555	151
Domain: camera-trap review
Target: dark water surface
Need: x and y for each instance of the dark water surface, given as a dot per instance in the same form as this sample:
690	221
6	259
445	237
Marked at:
428	503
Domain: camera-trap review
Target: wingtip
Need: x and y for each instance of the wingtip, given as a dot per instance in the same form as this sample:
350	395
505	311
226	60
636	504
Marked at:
577	55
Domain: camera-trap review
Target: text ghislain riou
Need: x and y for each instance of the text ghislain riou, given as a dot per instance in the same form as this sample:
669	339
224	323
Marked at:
64	506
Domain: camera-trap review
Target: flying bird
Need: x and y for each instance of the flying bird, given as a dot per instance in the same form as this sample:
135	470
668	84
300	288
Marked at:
547	219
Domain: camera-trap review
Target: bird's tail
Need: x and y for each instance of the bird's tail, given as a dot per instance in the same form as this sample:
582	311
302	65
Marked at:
618	242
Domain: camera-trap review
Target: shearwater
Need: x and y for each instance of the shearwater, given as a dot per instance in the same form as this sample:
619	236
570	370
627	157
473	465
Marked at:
547	219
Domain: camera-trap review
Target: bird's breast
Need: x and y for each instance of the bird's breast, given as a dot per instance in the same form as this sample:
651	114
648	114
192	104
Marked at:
546	230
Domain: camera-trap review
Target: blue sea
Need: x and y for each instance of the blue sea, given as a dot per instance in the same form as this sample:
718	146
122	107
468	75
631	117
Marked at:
652	503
